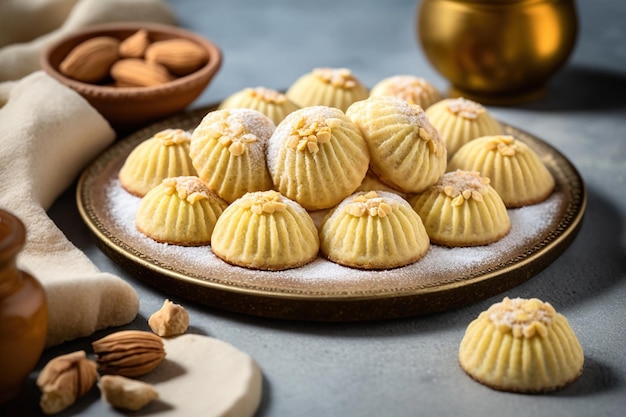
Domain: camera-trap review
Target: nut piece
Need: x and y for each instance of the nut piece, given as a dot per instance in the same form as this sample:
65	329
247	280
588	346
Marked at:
125	393
180	56
139	73
135	45
64	379
129	353
170	320
91	60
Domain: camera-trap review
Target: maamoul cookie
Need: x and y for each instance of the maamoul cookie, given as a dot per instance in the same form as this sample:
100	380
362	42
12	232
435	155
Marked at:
459	120
371	182
462	209
415	90
406	151
164	155
265	230
180	211
373	230
270	102
521	345
333	87
317	157
516	171
228	151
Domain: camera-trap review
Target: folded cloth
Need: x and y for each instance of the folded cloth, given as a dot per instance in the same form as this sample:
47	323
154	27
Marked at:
48	134
21	16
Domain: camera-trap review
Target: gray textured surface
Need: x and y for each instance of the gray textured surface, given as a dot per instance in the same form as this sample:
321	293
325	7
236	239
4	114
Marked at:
409	367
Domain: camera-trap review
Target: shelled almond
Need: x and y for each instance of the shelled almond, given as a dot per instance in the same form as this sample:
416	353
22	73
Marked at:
135	61
179	56
91	60
140	73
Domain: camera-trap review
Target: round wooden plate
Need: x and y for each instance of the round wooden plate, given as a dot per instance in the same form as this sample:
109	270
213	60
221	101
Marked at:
444	279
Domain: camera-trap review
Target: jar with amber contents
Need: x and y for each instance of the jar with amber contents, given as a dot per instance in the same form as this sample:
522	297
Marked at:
23	311
497	51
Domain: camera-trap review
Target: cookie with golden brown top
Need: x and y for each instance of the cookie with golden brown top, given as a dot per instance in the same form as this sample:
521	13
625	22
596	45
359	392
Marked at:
515	170
164	155
373	230
317	157
332	87
462	209
406	151
521	345
267	231
179	211
459	120
270	102
228	151
415	90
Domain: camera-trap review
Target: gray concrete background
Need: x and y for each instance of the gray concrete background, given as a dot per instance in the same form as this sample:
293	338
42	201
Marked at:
409	367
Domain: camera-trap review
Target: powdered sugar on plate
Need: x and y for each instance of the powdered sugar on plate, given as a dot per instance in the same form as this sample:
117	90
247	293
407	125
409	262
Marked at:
441	266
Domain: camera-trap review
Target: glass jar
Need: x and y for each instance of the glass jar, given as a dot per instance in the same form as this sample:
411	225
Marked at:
23	311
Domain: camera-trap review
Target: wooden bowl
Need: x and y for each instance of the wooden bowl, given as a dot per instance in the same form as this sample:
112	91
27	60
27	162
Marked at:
128	108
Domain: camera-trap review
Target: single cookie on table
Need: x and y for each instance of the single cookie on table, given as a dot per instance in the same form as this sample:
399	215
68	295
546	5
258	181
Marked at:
164	155
459	120
332	87
462	209
515	170
373	230
267	231
521	345
270	102
228	151
179	211
415	90
317	157
406	151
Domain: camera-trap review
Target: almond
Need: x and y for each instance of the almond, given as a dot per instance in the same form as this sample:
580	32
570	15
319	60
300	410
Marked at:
64	379
179	56
139	73
91	60
129	353
135	45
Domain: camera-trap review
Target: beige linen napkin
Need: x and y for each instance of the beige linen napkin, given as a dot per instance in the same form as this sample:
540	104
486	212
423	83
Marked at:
23	16
48	133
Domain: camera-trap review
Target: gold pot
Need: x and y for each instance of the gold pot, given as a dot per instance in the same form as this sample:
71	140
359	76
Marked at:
497	51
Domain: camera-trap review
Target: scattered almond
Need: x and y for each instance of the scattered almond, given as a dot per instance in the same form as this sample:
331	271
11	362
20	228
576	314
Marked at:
91	60
129	353
170	320
125	393
139	73
64	379
179	56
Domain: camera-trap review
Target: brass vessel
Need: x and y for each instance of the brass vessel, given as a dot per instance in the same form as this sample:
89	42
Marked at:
497	51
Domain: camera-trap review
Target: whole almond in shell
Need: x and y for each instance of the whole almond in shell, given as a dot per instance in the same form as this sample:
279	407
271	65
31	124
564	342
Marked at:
179	56
130	353
139	73
90	60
